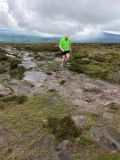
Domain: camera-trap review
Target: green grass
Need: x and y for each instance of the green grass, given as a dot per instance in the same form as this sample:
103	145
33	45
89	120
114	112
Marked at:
3	57
115	156
84	141
16	99
26	127
63	128
100	66
62	82
14	63
33	125
17	73
44	47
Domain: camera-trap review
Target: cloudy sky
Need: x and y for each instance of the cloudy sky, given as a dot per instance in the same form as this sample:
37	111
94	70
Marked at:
58	17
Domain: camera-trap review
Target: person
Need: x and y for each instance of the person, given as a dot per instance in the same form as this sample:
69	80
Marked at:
65	47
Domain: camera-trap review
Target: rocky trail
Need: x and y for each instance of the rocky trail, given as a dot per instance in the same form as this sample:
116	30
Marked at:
87	96
78	89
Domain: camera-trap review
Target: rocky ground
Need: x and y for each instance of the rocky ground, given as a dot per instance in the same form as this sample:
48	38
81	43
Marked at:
41	105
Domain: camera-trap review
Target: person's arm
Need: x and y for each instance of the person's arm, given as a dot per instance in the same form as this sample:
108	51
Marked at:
70	48
60	46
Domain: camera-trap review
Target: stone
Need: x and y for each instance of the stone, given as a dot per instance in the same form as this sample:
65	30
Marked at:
101	83
4	91
85	60
63	145
35	78
53	101
79	120
90	98
91	88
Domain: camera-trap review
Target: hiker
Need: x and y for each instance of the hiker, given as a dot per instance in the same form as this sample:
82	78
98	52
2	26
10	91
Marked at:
65	47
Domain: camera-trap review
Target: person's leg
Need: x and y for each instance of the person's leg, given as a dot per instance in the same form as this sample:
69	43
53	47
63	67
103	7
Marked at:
63	59
67	57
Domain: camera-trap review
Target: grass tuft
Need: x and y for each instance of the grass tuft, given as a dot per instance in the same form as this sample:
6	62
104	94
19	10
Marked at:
63	128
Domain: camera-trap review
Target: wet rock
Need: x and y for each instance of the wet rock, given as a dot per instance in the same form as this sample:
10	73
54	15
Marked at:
92	88
79	120
4	91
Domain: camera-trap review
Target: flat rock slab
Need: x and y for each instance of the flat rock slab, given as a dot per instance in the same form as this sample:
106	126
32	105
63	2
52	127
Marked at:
35	77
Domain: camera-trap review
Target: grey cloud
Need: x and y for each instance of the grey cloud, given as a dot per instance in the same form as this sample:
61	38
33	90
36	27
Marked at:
68	16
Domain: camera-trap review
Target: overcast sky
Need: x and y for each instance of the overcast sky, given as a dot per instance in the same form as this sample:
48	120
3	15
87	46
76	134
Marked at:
74	17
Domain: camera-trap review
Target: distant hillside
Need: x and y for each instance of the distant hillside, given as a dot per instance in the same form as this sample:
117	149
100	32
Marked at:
8	36
11	36
102	38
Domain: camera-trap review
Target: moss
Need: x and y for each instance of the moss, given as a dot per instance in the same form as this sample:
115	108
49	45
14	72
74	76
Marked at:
16	99
3	57
63	128
2	70
52	90
17	72
114	107
43	47
62	82
14	63
2	105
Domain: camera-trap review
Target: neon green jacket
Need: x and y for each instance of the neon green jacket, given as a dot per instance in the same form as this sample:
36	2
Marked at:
65	44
